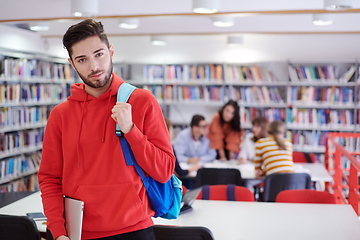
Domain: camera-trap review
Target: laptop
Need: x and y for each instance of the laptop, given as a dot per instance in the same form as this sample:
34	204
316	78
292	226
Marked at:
74	210
188	199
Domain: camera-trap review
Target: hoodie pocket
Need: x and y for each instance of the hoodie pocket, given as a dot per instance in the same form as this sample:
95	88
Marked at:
110	207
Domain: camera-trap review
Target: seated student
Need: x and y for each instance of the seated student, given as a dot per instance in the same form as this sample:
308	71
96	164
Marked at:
247	146
191	145
274	153
225	131
178	170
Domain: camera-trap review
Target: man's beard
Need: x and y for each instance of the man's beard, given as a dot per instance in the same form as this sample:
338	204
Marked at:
100	82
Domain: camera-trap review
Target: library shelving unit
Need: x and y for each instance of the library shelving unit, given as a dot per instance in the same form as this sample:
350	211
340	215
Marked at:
312	98
30	86
321	98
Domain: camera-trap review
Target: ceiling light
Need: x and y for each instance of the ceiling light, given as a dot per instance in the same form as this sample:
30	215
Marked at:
334	5
223	21
129	23
235	40
206	6
323	19
39	27
158	40
84	8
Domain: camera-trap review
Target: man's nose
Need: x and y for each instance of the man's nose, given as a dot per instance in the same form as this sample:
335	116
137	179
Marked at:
94	65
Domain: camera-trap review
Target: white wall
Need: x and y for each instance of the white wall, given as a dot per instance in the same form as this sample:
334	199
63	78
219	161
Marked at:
256	48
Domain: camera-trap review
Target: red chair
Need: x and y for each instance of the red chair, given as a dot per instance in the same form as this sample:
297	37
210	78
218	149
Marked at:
228	192
305	196
300	157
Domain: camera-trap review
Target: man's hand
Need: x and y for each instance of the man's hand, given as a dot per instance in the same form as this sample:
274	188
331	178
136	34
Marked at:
193	160
121	113
62	237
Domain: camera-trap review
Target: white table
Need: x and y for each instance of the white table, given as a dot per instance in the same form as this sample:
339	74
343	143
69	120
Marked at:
271	221
247	220
317	171
31	203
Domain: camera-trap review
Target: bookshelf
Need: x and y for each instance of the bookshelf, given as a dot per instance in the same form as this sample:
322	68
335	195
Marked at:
30	86
313	98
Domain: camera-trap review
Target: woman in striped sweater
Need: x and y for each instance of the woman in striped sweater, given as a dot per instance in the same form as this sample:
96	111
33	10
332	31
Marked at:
274	153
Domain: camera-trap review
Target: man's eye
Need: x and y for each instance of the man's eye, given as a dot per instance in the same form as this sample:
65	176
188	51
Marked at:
99	54
81	60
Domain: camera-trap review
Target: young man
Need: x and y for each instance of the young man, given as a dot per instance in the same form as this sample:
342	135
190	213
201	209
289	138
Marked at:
191	144
82	157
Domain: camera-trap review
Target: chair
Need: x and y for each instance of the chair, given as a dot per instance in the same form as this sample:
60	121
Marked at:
304	157
225	193
18	227
218	176
182	233
277	182
305	196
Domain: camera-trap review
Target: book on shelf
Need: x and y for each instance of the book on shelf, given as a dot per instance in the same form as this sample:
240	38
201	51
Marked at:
311	73
330	95
255	73
348	74
320	117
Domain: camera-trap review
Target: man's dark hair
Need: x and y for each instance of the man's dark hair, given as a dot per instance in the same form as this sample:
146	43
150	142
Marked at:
235	121
196	120
82	30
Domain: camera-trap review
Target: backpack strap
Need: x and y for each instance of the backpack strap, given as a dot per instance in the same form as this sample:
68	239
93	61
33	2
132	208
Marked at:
205	190
230	191
124	92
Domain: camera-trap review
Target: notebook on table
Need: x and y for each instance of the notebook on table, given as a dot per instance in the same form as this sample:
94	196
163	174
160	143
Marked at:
74	210
188	199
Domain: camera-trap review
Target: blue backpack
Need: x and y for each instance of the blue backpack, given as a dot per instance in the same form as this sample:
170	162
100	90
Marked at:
164	198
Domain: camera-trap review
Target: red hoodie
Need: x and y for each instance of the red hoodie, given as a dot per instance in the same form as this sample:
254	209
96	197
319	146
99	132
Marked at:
82	159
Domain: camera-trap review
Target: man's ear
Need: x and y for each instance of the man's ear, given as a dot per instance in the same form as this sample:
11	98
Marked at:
71	62
112	52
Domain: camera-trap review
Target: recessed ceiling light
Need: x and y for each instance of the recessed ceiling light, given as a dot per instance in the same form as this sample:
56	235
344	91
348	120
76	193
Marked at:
235	40
84	8
334	5
39	26
206	6
323	19
158	40
129	23
223	21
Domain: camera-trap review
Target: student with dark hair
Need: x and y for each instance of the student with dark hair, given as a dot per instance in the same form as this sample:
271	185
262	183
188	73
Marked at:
225	131
247	146
273	154
82	157
191	144
178	170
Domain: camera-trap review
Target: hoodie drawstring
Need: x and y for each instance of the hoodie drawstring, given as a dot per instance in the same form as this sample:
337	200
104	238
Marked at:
80	128
105	117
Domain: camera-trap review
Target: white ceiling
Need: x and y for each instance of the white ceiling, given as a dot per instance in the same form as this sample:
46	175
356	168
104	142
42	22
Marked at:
165	18
256	18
